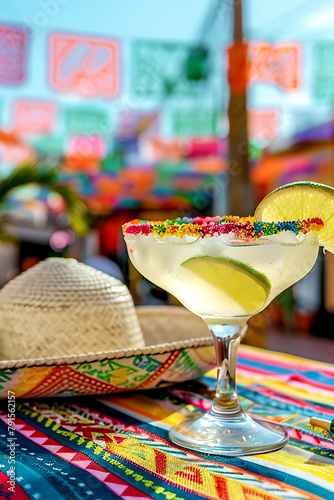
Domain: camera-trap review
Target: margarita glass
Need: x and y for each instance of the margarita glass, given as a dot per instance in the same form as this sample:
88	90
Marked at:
224	269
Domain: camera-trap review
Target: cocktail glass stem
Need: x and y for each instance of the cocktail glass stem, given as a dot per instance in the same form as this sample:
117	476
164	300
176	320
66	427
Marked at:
225	429
226	341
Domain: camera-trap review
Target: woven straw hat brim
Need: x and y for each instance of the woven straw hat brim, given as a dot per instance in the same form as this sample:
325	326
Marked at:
182	328
177	349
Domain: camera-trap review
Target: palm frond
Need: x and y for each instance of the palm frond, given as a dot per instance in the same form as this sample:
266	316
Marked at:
48	177
28	174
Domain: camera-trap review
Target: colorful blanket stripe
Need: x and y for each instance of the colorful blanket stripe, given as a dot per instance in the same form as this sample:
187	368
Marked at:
117	446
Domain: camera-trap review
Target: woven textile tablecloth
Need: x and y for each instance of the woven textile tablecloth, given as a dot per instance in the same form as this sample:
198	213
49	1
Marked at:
118	447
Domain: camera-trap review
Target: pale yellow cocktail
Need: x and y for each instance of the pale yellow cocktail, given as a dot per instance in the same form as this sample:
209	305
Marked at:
222	277
226	269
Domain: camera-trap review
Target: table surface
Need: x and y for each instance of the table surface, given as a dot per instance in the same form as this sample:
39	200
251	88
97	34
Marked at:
118	447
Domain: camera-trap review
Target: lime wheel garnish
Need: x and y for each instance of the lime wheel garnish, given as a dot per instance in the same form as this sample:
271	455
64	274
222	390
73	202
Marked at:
301	201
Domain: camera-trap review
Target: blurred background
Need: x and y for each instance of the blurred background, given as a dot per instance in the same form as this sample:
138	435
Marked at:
160	109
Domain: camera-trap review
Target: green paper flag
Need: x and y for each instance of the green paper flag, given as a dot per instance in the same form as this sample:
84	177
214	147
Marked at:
323	71
156	68
195	121
88	121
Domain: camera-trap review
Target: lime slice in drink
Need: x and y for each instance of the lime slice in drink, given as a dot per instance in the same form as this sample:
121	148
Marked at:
301	200
239	282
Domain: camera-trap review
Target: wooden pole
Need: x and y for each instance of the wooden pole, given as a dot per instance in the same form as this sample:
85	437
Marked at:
241	199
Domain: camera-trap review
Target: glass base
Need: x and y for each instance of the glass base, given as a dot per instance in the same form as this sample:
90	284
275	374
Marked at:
228	435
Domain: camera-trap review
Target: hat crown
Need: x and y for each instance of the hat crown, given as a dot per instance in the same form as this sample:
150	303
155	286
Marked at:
59	282
64	307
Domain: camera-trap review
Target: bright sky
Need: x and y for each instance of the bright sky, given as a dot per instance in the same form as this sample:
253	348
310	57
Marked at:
175	20
126	19
288	18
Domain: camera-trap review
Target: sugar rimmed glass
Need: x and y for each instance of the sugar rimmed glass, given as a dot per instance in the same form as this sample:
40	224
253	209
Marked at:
225	279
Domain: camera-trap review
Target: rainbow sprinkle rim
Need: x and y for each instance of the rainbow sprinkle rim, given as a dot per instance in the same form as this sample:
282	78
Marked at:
241	227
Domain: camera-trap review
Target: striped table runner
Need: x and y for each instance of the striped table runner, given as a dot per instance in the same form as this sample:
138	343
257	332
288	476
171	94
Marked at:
118	447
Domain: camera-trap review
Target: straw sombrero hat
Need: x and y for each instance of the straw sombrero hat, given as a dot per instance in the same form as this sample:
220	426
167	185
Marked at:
66	328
